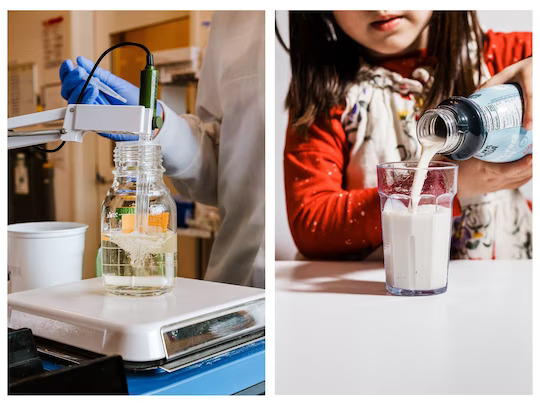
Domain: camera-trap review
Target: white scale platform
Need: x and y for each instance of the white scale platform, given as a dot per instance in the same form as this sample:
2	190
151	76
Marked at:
195	316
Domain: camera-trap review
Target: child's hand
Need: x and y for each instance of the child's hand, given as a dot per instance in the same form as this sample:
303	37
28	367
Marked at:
521	73
477	177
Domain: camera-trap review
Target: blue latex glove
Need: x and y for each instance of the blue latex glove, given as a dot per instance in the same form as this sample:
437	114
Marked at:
73	80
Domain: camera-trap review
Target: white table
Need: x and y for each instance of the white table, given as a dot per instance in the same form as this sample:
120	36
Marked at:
339	332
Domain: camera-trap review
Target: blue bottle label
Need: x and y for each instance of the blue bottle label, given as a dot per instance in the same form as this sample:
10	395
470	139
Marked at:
502	112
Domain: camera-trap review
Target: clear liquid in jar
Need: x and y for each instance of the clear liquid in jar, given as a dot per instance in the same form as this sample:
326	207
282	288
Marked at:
138	264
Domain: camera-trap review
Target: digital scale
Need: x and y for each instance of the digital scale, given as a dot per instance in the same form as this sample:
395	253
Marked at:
197	332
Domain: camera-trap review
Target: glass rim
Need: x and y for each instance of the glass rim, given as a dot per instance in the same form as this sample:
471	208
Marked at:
433	165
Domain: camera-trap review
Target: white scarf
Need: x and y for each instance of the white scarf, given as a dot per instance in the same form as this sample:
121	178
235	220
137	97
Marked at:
380	123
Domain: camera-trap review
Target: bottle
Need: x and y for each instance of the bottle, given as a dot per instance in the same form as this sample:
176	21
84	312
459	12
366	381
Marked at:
487	126
138	263
22	183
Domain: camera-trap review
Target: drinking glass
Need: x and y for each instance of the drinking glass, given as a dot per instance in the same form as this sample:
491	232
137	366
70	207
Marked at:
416	239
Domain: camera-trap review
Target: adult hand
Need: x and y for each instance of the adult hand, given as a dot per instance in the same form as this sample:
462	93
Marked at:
477	177
521	73
73	79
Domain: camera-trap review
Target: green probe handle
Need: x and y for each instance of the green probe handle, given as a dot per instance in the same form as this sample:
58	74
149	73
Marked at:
148	93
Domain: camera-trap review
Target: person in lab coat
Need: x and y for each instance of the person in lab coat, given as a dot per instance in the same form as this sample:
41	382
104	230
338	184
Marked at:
215	157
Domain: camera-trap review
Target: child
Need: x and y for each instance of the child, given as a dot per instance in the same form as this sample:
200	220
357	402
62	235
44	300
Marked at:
360	80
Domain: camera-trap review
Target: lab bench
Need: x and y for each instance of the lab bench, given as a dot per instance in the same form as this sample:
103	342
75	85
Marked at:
240	371
201	338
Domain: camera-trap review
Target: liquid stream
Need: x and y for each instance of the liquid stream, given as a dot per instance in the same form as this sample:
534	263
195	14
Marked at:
428	152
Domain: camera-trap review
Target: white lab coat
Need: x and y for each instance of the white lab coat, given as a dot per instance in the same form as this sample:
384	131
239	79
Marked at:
217	156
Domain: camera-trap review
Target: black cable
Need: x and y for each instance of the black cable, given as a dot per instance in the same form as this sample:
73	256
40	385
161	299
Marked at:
50	150
149	60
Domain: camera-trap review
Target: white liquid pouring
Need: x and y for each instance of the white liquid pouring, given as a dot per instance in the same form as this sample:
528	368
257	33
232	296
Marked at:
428	152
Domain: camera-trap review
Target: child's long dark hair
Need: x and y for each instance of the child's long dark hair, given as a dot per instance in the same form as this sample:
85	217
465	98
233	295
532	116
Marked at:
325	61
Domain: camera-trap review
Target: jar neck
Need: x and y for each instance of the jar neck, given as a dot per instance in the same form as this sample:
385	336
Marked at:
131	178
135	159
439	127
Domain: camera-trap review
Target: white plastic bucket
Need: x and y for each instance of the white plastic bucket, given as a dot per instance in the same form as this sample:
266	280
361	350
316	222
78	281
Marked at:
43	254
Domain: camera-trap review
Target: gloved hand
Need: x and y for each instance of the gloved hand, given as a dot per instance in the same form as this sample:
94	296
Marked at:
73	79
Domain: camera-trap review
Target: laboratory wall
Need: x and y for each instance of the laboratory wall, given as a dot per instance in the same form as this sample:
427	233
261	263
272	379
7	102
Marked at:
505	21
45	38
83	172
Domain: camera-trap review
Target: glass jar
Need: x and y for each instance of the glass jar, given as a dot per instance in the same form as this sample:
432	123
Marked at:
138	262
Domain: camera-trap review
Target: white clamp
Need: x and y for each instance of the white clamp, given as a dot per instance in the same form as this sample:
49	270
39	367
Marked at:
79	119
